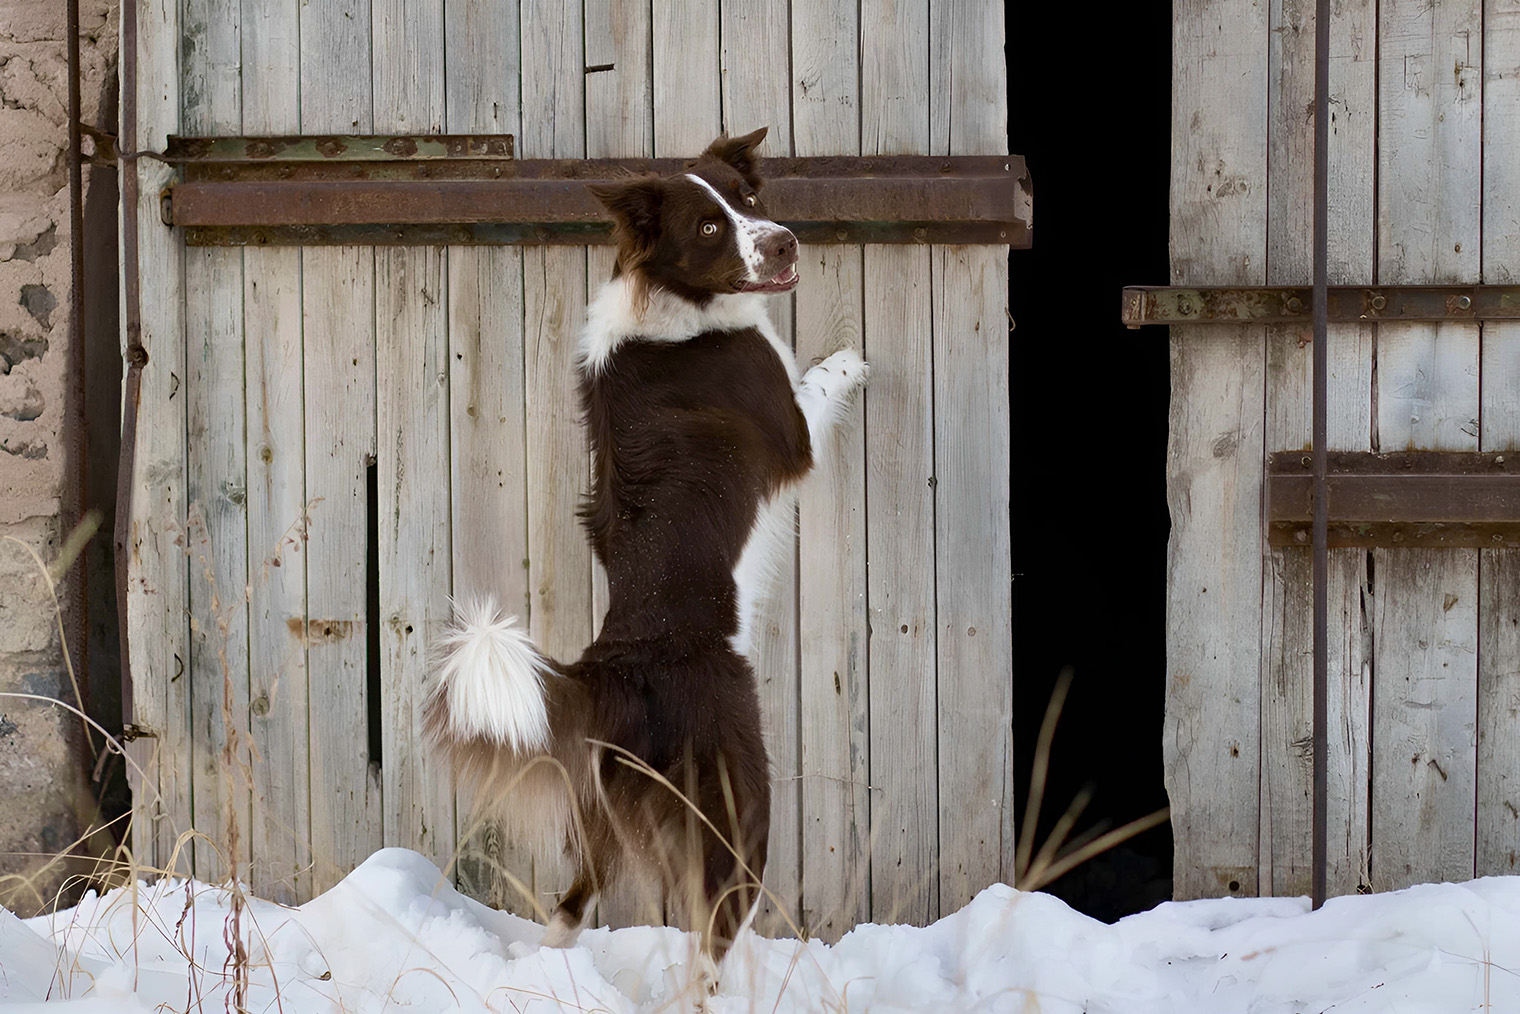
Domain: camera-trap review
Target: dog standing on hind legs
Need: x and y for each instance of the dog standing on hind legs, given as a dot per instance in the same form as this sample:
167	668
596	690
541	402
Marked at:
700	430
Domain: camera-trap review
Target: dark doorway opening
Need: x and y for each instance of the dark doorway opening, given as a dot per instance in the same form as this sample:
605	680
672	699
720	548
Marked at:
1089	511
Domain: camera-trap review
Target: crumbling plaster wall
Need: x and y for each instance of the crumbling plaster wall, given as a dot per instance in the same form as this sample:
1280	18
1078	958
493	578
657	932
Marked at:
45	796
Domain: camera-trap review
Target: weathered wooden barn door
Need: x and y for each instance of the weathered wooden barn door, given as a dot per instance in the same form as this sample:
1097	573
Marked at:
1424	189
333	440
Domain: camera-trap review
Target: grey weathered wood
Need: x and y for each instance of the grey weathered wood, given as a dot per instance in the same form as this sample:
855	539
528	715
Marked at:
275	453
899	412
619	123
687	100
1214	455
411	358
487	447
1287	606
217	520
973	566
157	592
1498	809
412	439
554	293
755	90
834	710
1425	637
338	303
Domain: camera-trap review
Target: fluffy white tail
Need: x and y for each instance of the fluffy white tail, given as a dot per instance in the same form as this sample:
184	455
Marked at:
489	681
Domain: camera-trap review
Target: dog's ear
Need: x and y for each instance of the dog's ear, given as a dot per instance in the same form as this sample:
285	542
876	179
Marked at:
739	152
635	206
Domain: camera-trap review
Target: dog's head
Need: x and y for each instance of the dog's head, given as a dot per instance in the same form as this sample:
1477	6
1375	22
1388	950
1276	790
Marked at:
704	232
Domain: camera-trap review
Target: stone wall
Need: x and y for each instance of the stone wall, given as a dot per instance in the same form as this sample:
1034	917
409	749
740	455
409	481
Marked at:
46	794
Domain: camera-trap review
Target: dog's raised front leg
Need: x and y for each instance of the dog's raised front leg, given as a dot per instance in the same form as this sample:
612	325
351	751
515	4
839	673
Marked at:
825	392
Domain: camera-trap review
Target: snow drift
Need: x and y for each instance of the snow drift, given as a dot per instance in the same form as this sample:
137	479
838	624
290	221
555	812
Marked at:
393	936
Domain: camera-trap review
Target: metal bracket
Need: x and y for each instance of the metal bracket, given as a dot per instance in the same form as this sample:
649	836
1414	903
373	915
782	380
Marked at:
470	189
1407	499
1146	304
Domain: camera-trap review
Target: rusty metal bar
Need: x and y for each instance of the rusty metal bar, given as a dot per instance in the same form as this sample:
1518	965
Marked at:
1319	733
1145	304
1408	499
244	191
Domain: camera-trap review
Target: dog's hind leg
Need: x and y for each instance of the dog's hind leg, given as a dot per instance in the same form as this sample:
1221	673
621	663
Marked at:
569	918
825	391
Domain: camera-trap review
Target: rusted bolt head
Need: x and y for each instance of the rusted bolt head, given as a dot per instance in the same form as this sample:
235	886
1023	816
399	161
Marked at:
1464	302
920	234
1300	536
1379	302
1294	304
1398	536
841	235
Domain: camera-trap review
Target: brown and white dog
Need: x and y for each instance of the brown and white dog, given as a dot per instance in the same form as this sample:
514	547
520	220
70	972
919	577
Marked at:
700	428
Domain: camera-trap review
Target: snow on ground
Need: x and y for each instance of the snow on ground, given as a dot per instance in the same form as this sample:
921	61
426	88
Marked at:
393	937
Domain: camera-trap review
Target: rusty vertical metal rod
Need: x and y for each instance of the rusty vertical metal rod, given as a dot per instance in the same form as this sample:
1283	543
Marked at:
1321	302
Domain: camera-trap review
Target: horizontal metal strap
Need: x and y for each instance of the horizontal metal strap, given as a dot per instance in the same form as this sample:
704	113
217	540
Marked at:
1404	499
462	190
1145	304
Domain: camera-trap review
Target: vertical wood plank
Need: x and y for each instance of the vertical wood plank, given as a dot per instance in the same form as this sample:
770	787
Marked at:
1287	609
281	833
1214	455
554	298
217	527
619	123
899	412
157	575
1425	635
412	427
973	563
688	110
338	303
755	92
831	611
1498	810
488	453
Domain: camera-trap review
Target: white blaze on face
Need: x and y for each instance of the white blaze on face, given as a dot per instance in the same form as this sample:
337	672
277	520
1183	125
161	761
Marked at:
749	232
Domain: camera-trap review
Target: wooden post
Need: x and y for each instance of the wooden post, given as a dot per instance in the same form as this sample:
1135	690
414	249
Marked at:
1211	744
279	708
1425	633
834	712
899	412
1498	810
1286	607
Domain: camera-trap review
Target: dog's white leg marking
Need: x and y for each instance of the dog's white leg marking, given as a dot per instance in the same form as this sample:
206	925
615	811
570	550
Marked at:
561	932
755	574
825	392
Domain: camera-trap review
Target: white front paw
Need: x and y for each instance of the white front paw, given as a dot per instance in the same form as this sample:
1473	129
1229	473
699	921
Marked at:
841	374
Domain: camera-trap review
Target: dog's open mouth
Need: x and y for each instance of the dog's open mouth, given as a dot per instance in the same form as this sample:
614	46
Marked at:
783	281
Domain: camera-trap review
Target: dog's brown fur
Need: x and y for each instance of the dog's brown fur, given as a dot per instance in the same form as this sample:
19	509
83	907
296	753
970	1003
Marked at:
689	438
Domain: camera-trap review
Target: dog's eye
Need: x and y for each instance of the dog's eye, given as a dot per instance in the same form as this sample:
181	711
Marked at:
709	228
749	200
